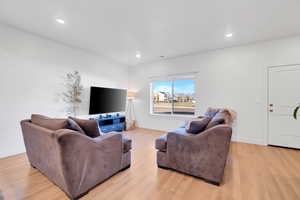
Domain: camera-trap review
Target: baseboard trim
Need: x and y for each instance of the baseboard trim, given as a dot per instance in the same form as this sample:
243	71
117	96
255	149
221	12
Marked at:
248	140
150	130
11	155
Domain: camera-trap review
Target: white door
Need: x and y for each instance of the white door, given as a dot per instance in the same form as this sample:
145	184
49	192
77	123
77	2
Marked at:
284	96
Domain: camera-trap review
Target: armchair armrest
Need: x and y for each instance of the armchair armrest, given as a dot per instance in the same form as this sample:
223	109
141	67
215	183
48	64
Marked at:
86	160
203	155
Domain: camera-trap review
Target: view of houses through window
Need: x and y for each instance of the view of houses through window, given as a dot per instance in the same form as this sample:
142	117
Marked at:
174	97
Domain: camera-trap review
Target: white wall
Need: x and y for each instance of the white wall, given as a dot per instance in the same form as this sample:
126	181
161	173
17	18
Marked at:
233	77
32	70
31	74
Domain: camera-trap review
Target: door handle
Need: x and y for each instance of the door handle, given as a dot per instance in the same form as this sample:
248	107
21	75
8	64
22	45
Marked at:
271	110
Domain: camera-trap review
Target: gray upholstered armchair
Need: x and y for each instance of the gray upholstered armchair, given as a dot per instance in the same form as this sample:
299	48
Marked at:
73	161
202	155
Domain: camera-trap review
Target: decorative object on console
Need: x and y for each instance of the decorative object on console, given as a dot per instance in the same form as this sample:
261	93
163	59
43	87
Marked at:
130	122
72	95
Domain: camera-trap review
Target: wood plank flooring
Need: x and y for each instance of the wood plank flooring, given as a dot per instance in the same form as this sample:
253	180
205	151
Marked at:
252	172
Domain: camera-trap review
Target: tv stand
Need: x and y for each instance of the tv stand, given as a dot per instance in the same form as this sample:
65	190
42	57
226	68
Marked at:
111	123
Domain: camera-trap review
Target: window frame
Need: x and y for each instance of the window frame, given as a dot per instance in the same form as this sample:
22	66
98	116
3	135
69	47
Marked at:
172	108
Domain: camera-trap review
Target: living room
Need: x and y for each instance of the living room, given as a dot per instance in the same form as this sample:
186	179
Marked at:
169	70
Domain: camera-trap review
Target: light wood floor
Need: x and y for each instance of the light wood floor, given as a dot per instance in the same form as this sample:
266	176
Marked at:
252	172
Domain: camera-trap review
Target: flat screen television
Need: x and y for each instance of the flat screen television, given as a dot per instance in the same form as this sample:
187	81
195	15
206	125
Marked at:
107	100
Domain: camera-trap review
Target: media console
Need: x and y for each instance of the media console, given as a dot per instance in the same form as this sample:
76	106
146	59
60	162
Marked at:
111	123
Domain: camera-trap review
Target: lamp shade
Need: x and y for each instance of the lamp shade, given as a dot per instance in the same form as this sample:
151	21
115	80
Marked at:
131	94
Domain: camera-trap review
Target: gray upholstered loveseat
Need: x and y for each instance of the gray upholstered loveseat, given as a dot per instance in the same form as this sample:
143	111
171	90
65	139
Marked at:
201	155
75	162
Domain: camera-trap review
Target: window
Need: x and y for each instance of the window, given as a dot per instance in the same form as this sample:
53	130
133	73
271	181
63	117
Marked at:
173	97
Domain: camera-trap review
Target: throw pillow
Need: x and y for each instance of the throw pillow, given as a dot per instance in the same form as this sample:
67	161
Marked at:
49	123
220	118
90	127
211	112
215	122
197	125
75	126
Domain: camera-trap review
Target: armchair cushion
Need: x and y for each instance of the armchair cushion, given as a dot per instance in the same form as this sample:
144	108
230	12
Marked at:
161	143
90	127
197	125
49	123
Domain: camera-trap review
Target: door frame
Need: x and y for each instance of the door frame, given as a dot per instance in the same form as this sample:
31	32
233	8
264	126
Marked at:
266	101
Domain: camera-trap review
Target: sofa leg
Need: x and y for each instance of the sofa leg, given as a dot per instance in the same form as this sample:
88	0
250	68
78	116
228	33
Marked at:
32	166
125	168
212	182
77	198
162	167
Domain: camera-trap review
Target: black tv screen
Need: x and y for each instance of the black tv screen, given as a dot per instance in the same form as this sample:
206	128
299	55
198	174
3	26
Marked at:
107	100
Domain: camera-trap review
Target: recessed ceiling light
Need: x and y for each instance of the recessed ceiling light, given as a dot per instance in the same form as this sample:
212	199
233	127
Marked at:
228	35
138	55
61	21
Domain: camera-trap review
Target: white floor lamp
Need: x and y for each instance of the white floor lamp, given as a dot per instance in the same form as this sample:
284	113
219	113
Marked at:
130	119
